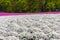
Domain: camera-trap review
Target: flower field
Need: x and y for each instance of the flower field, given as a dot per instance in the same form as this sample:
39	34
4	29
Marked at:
30	27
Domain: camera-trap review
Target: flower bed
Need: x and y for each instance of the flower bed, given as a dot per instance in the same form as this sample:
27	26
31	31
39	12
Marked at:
30	27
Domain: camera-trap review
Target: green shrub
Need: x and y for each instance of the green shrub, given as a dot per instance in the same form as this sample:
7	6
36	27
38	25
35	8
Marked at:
29	5
5	5
21	6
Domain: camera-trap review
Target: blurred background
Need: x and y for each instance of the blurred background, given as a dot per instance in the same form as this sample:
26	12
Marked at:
18	6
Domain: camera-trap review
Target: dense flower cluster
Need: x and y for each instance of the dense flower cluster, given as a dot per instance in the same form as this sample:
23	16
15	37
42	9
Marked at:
33	27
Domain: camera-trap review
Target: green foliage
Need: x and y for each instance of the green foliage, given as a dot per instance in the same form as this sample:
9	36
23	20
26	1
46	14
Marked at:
29	5
21	6
4	5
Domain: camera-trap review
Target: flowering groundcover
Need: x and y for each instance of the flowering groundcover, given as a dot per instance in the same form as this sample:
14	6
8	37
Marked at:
30	27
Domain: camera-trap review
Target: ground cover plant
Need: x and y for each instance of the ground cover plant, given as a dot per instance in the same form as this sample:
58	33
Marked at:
30	27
